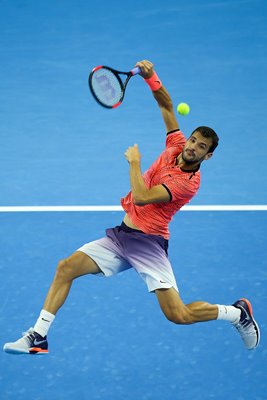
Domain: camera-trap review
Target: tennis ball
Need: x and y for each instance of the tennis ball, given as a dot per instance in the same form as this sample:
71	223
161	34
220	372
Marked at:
183	108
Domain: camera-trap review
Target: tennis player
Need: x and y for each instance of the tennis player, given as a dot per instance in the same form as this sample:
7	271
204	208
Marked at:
141	241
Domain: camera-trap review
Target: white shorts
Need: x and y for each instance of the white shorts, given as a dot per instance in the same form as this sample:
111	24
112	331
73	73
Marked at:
125	248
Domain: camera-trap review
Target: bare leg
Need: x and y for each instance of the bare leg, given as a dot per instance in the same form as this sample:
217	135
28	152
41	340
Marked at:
35	340
76	265
179	313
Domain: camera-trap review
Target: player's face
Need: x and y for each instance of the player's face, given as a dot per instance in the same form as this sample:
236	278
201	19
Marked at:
196	148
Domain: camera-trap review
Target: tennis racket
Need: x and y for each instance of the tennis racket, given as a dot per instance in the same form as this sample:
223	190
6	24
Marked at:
107	86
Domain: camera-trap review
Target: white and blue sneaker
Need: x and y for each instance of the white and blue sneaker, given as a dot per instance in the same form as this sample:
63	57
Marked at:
247	326
30	343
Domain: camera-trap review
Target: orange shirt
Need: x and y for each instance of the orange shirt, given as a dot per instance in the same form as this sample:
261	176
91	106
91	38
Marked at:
182	186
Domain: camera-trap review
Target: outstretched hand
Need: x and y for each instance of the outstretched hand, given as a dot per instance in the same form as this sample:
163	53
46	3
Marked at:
132	154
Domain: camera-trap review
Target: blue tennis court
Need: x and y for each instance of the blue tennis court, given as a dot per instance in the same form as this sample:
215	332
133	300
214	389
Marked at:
60	148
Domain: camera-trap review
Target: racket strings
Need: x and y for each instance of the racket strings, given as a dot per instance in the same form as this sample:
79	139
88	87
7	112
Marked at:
107	87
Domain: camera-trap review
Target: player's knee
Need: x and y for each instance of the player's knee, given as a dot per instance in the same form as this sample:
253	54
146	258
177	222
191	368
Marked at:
64	270
180	316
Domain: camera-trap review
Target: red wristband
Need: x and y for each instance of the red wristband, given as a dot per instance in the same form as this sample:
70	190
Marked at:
154	82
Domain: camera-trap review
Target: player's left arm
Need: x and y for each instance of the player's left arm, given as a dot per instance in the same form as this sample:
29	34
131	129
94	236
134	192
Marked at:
141	194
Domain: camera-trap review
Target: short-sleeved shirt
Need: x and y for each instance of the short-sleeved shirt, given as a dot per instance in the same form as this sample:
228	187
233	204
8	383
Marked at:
182	186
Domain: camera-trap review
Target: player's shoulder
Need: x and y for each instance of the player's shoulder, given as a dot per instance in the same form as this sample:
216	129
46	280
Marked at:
175	138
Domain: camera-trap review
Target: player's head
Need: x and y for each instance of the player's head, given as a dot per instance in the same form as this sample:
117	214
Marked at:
200	145
209	133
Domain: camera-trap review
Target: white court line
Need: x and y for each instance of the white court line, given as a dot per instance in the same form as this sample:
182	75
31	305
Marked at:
6	209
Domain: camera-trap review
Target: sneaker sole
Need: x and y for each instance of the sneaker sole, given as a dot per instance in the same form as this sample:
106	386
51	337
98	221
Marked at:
22	351
254	322
36	350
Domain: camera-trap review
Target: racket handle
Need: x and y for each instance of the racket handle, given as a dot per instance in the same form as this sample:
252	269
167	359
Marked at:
135	71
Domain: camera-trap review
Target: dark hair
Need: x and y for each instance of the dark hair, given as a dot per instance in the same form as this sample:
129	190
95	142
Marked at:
207	132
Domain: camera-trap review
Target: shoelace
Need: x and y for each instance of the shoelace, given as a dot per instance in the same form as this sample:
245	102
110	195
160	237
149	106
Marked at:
28	335
30	331
246	329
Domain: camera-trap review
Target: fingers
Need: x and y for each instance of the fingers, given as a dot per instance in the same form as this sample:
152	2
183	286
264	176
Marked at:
146	67
132	149
135	146
132	153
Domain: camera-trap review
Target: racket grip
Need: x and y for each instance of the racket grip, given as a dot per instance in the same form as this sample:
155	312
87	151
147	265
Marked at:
135	71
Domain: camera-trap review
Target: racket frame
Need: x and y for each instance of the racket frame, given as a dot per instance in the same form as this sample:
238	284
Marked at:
134	71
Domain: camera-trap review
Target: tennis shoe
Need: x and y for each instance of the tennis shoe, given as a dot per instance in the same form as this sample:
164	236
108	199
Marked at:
30	343
247	326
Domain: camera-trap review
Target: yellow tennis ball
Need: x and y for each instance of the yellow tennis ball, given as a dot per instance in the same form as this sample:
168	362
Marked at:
183	108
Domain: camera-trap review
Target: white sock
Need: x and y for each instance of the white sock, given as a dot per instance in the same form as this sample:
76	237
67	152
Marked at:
44	322
229	313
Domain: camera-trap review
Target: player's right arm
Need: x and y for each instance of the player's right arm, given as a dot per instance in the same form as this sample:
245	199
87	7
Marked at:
166	108
162	97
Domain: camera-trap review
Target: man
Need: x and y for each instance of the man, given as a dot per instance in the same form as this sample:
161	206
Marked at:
141	241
